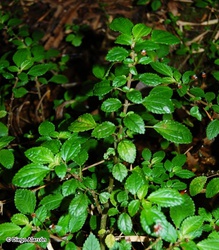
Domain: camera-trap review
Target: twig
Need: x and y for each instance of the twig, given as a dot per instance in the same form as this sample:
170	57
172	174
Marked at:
40	99
210	22
49	246
197	39
93	165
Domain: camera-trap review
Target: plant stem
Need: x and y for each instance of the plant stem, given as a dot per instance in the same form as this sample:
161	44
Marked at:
103	222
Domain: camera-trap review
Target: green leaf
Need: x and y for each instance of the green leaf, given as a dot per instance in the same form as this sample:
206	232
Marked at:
121	24
60	79
127	151
25	201
69	187
78	205
26	246
25	231
20	219
183	173
70	246
212	188
5	140
112	211
216	75
210	96
23	77
38	70
164	91
98	71
119	171
54	146
149	217
70	149
164	37
84	122
40	216
19	92
77	221
30	175
117	54
46	128
146	45
125	223
145	60
133	183
134	96
124	245
146	154
140	30
12	69
111	105
119	81
194	111
6	158
91	243
162	68
158	157
39	155
61	227
81	158
166	197
26	64
215	108
110	240
150	79
52	201
104	130
45	238
197	185
208	244
166	232
174	131
3	128
158	104
8	230
191	227
212	129
90	182
102	88
61	170
3	113
20	56
122	196
142	192
134	123
197	91
180	212
133	207
104	197
124	39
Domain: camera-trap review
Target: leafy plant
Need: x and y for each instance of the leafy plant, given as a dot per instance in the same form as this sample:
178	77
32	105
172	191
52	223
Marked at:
87	184
27	64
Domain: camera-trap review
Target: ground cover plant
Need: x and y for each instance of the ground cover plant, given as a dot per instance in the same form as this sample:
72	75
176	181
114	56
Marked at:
117	177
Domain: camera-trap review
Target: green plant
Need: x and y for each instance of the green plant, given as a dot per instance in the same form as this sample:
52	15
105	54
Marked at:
75	34
27	64
200	47
88	184
155	4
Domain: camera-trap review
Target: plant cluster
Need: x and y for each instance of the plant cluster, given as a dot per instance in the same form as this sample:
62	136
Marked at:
85	183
